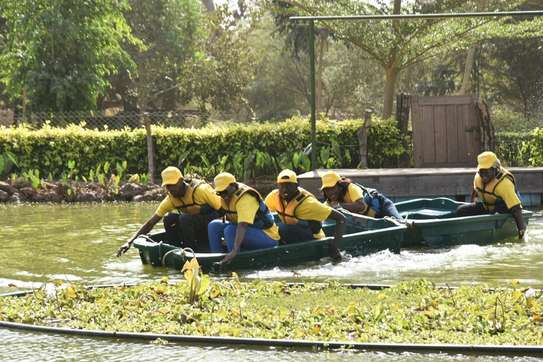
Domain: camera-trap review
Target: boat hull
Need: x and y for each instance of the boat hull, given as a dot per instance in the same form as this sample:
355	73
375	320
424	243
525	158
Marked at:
155	252
431	222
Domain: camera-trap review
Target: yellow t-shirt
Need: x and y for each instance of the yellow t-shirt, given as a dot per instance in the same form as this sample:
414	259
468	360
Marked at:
506	191
204	194
309	209
354	192
246	207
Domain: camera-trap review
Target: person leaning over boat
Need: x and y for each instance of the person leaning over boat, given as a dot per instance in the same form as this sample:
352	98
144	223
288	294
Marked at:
247	222
494	191
301	214
196	203
342	192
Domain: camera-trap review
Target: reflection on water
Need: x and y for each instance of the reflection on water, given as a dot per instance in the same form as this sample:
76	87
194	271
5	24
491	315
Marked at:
78	242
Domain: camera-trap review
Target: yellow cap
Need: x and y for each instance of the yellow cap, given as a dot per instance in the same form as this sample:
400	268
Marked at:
171	175
223	180
287	176
330	179
487	159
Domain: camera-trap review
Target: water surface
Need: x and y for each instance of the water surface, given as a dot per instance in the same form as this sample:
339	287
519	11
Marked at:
41	243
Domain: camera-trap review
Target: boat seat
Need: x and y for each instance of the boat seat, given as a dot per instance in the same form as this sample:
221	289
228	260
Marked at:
422	214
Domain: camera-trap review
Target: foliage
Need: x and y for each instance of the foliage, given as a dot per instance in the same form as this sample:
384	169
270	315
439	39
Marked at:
534	148
224	63
198	282
397	45
511	148
252	149
169	31
7	161
410	312
59	55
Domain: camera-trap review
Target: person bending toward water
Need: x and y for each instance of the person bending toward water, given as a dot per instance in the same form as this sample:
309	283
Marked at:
195	203
342	192
494	191
301	214
247	223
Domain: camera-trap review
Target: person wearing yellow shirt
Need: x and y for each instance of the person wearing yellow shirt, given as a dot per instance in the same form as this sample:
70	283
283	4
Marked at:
494	191
247	224
342	192
196	204
301	214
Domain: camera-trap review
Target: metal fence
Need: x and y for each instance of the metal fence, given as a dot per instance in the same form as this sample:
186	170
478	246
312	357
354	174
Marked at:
103	121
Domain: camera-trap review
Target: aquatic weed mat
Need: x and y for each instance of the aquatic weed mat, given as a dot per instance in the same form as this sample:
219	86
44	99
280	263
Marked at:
414	315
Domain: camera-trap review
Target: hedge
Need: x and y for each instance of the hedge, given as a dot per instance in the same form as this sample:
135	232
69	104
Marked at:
244	149
261	148
512	149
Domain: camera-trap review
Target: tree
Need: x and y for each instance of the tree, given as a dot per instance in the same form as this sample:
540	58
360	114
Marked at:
225	62
59	54
397	45
170	31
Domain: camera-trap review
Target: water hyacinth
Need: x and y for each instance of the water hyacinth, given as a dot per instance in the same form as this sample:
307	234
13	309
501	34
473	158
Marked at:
410	312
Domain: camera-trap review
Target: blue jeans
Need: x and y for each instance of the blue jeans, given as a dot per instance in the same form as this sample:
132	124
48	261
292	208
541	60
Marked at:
254	238
389	209
293	233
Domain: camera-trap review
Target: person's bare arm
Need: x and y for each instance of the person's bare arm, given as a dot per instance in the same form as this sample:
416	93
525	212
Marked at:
144	229
241	229
516	211
339	231
357	207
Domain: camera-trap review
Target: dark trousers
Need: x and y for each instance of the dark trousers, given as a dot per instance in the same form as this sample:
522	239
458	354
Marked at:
293	233
478	209
190	231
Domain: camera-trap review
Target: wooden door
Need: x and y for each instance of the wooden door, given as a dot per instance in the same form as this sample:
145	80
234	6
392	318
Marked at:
446	131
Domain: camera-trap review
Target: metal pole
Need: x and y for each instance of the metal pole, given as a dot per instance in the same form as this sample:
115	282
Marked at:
312	100
421	16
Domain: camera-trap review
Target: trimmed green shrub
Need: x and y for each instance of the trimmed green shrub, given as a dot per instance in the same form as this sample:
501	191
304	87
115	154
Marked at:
511	148
534	148
252	149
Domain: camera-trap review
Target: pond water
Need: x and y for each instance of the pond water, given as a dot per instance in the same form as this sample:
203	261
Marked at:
78	242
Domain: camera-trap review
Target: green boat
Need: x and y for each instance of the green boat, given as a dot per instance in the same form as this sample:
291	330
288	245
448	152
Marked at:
364	236
432	222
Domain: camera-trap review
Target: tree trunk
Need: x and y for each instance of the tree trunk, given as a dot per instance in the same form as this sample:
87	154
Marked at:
320	71
209	4
466	87
150	147
391	71
362	134
391	75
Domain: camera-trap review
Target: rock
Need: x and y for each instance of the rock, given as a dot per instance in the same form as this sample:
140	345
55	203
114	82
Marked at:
129	190
47	196
21	183
153	194
138	198
4	186
4	196
15	198
27	193
86	197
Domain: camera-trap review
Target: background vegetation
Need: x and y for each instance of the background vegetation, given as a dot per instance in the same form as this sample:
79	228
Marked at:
246	150
243	60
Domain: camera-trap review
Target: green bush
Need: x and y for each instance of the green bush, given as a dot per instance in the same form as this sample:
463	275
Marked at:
511	148
252	149
534	148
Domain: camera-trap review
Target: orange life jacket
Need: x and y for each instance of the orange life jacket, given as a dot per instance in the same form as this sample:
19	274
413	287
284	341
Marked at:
287	213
